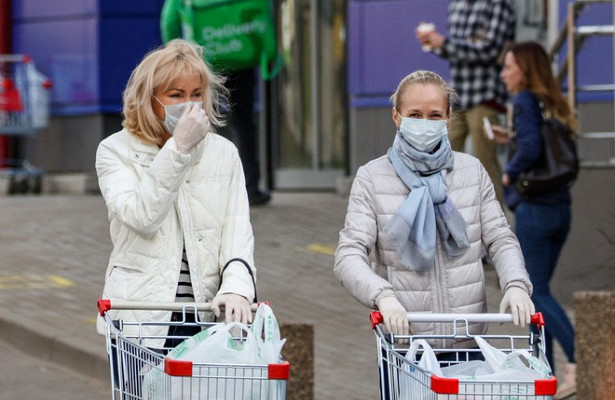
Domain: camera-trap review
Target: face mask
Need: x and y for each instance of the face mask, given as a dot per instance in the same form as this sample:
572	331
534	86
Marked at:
423	134
172	112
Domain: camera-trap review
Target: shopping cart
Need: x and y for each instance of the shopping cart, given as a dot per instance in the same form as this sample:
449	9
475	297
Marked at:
403	379
140	372
24	109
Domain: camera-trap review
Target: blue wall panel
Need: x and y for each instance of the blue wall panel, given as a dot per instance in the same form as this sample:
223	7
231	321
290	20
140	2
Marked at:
125	42
32	9
87	47
595	57
383	48
66	51
136	8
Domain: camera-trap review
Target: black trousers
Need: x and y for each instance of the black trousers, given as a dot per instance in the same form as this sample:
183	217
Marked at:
242	120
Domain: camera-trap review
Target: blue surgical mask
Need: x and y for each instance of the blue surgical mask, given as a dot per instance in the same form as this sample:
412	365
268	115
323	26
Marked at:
172	112
423	134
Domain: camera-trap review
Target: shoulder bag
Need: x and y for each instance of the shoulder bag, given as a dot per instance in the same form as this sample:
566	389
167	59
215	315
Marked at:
559	164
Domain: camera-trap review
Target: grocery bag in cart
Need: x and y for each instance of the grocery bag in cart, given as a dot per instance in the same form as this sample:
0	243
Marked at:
140	372
229	349
460	365
516	366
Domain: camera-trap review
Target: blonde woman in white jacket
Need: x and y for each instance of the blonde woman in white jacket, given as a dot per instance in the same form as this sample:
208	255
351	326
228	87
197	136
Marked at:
419	219
175	194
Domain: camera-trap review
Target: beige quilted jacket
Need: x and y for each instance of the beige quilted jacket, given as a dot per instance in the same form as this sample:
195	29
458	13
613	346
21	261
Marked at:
368	267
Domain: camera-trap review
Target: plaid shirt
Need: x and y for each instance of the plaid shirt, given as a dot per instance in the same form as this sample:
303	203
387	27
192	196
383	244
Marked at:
478	31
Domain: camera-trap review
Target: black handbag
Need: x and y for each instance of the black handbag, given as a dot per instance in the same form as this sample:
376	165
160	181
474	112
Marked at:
559	164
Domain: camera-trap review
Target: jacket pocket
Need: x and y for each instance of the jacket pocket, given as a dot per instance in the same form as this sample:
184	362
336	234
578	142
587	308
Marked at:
125	268
123	281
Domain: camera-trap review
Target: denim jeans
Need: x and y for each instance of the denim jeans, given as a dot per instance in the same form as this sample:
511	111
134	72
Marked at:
542	230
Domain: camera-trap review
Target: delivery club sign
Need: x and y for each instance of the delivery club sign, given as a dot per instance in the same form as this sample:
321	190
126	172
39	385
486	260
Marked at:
227	39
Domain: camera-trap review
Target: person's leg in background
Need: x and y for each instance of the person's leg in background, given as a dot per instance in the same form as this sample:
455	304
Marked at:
542	231
482	147
458	130
242	86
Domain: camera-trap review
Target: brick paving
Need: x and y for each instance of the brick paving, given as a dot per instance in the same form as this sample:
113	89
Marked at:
54	253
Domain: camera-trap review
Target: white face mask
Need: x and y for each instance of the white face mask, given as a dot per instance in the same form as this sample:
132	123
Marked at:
423	134
172	112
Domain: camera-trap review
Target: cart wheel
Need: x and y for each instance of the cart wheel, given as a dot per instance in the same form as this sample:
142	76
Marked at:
18	184
11	189
12	185
36	185
21	185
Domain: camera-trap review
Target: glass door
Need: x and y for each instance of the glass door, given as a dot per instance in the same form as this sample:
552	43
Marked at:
308	108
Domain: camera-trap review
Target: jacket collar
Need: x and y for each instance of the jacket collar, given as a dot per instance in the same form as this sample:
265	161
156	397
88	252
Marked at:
140	152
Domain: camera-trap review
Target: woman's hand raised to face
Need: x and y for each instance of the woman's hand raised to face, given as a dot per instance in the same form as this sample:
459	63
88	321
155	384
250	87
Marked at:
191	128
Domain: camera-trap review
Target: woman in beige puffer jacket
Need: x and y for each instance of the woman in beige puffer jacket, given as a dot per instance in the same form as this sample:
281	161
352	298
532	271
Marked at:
366	261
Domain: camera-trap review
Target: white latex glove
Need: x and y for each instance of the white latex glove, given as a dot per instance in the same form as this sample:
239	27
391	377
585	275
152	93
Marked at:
191	128
236	307
520	304
394	315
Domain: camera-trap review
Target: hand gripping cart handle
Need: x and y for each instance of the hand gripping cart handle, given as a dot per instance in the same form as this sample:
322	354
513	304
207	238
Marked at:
141	369
401	378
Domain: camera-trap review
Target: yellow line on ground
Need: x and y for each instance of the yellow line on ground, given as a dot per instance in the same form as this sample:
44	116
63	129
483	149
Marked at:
322	248
58	280
34	281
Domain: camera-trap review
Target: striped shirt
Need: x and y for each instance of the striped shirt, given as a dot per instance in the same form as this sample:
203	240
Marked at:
477	33
184	286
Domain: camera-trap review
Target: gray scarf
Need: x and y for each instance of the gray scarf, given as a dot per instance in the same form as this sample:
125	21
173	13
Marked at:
427	208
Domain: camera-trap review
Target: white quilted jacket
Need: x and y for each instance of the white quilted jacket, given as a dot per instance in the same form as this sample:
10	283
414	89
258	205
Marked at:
367	265
159	198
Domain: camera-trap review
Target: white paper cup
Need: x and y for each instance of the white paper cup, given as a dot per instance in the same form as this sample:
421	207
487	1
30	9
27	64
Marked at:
425	27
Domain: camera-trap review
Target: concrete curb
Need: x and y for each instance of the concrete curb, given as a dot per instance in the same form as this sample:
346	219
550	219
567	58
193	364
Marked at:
54	350
65	183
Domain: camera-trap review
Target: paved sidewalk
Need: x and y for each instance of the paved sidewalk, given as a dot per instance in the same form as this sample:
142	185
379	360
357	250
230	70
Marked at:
55	251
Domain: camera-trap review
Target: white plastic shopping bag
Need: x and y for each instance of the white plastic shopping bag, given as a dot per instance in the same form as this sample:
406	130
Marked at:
414	382
260	344
494	378
215	345
267	332
497	376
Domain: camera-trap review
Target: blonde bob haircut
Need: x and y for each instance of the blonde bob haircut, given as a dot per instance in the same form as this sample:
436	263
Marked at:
158	70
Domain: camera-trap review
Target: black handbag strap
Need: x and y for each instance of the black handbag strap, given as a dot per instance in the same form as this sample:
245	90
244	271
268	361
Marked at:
245	264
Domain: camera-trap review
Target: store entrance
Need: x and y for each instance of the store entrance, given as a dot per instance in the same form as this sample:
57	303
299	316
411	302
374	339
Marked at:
307	104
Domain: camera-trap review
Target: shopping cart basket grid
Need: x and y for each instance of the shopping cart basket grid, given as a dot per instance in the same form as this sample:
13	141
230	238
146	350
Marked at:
402	378
142	373
24	110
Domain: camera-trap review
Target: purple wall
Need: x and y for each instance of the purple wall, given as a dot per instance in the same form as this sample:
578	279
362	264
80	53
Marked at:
595	58
86	47
382	48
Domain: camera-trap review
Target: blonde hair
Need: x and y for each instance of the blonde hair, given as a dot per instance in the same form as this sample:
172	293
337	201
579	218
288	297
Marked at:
158	70
426	78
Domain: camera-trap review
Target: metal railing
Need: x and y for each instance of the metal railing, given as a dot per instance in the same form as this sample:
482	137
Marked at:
574	35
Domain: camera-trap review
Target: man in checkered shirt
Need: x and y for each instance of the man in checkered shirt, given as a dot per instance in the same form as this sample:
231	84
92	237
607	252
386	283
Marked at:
478	31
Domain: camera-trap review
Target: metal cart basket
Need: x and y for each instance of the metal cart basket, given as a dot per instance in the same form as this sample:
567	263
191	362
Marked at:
140	372
401	377
24	109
